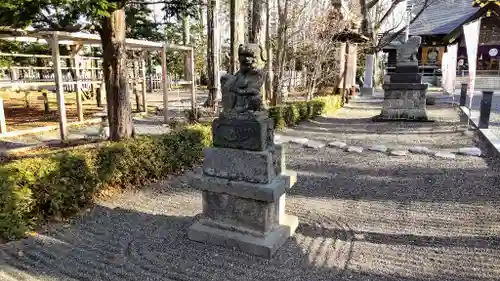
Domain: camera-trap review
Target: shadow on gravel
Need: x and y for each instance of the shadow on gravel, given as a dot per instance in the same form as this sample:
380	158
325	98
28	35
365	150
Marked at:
398	183
119	244
487	242
367	126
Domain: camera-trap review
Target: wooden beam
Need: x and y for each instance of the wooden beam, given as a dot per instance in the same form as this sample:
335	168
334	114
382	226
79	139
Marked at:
63	128
79	107
193	82
143	80
165	83
3	124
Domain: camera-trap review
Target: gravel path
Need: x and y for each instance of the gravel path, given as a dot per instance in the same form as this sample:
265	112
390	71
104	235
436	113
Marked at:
364	216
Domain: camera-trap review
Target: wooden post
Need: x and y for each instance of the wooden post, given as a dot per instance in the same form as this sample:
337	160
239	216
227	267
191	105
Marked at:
56	58
193	82
485	110
344	75
143	87
135	76
79	106
3	125
463	93
165	83
186	34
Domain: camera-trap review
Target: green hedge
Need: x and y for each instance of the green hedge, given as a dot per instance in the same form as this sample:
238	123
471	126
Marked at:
292	113
59	185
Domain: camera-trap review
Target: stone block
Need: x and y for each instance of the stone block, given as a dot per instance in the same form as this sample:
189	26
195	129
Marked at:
391	94
245	215
278	154
357	149
406	78
420	150
378	148
398	152
445	155
390	113
406	68
251	134
470	151
239	165
405	86
337	144
394	103
263	246
415	114
366	91
263	192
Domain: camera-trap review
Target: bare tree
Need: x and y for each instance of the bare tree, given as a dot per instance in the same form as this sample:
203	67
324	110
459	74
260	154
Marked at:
320	51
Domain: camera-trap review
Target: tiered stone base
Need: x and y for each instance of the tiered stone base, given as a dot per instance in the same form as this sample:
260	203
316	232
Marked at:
404	102
263	246
244	200
404	96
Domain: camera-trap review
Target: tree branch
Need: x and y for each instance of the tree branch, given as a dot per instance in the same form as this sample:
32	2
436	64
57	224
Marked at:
371	4
383	43
388	12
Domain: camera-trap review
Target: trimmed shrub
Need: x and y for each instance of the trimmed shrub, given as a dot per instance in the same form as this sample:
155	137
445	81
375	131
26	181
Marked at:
277	114
292	113
302	107
59	185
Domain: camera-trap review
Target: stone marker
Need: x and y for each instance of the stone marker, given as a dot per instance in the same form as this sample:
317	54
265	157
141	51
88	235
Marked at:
357	149
445	154
398	152
314	144
470	151
244	179
379	148
405	94
301	141
337	144
420	150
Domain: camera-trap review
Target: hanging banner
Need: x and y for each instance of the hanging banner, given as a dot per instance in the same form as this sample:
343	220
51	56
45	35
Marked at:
471	34
451	68
444	70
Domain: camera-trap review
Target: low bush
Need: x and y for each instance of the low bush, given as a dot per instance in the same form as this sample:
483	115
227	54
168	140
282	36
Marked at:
292	113
59	185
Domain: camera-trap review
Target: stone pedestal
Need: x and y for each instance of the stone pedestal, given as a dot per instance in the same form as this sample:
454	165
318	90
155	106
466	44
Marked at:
404	96
244	181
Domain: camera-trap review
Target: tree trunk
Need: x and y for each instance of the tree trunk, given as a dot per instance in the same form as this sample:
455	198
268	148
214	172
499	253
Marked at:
212	53
256	34
115	75
237	37
281	45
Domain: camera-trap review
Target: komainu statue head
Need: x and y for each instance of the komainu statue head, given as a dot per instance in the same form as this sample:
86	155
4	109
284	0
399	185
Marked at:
409	50
249	55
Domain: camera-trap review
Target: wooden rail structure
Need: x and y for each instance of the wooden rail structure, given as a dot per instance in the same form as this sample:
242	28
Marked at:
82	77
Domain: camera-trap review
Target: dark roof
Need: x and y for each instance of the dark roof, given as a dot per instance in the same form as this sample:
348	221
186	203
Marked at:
442	16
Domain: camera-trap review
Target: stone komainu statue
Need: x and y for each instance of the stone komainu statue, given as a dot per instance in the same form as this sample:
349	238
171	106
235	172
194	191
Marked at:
409	50
241	92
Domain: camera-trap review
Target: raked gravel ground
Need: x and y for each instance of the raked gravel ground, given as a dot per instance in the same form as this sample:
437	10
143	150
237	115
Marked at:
364	216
